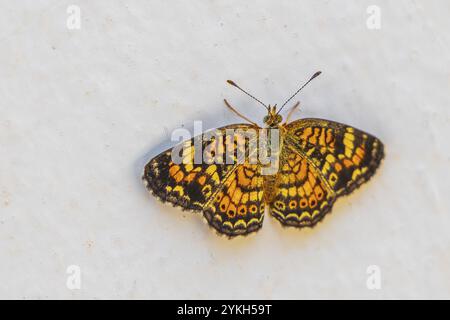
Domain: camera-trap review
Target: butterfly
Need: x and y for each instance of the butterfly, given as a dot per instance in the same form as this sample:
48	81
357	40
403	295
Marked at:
317	161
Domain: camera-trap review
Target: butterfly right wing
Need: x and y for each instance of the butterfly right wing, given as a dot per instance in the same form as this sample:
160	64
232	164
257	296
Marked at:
320	161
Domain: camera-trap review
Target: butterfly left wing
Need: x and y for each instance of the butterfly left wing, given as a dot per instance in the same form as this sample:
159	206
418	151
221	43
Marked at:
185	183
227	192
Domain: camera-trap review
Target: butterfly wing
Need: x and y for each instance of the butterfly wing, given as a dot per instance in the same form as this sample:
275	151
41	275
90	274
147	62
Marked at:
238	207
223	190
336	159
346	156
301	197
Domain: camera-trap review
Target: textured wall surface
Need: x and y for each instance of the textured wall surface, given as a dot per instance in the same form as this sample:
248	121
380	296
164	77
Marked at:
82	110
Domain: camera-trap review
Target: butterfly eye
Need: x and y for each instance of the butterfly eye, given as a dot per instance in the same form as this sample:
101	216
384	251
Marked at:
266	118
279	118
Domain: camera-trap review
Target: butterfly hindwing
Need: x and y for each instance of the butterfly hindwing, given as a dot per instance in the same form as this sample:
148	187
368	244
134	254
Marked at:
301	198
238	207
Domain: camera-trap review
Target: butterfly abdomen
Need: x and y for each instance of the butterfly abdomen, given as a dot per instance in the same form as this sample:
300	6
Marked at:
269	188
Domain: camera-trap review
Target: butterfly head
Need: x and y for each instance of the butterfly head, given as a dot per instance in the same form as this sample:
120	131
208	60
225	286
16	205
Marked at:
272	118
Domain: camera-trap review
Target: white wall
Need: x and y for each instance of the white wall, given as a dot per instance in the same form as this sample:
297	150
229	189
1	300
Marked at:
82	110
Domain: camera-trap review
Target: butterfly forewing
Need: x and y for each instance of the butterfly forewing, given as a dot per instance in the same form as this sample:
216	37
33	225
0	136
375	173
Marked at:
345	156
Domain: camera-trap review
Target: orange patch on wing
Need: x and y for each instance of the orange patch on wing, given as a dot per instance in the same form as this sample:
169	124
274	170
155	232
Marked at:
178	176
242	178
173	170
190	177
313	139
236	197
249	173
360	152
322	137
306	133
356	160
231	188
307	188
347	163
302	173
329	136
202	180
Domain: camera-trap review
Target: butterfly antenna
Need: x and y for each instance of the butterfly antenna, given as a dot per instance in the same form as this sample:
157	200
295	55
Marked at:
310	79
251	96
238	113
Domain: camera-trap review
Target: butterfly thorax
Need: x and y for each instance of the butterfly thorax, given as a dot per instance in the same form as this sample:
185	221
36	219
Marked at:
275	137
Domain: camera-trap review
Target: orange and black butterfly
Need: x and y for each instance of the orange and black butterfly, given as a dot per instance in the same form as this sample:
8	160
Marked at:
317	162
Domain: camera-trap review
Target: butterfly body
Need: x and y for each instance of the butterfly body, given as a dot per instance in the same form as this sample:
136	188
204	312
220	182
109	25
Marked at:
312	163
